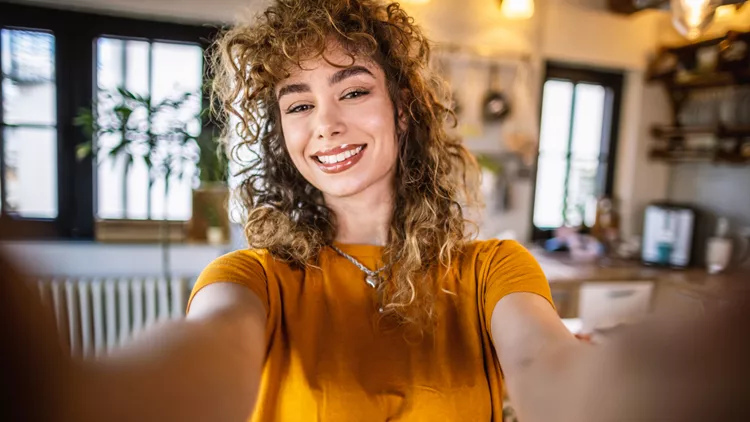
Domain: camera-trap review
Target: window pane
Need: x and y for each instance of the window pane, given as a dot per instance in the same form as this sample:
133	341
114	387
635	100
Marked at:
587	127
136	67
550	189
176	69
556	110
581	189
28	77
109	63
111	174
179	199
31	171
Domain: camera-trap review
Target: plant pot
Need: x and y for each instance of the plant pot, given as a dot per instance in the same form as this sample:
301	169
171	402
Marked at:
209	211
215	236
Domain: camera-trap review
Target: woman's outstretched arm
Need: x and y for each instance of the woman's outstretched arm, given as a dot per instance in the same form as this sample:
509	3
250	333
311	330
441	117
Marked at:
205	367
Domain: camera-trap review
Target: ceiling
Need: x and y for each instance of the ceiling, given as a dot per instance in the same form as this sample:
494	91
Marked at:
197	11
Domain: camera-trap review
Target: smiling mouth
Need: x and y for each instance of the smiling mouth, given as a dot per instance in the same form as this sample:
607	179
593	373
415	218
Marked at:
339	158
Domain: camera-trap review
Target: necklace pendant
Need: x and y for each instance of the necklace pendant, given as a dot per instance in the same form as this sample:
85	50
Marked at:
372	281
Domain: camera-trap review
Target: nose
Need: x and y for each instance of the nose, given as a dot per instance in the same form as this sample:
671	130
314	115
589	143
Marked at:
329	122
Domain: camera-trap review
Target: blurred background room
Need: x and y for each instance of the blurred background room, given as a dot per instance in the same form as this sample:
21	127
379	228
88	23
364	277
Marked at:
614	137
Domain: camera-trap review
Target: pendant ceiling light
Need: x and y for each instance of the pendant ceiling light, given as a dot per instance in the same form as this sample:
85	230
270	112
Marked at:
691	17
517	9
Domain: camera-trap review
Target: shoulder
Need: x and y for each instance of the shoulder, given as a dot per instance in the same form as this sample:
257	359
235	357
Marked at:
241	257
238	263
493	250
246	267
502	261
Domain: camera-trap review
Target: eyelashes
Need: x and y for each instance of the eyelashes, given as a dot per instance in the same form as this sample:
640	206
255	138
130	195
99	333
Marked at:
355	93
298	109
301	108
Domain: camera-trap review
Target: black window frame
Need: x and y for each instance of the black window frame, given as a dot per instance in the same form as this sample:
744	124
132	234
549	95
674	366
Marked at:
612	79
75	66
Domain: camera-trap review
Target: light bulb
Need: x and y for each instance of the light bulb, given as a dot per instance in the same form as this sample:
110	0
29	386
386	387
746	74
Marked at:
517	9
691	17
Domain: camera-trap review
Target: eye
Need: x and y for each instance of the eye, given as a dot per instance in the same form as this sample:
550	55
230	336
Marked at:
354	94
299	109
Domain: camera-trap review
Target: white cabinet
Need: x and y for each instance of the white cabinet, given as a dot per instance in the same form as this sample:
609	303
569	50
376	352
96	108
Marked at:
607	304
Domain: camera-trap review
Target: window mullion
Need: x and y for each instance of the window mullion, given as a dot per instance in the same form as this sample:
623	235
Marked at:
75	87
3	205
150	84
569	154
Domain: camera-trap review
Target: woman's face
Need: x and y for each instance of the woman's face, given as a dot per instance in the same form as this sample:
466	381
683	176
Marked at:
338	125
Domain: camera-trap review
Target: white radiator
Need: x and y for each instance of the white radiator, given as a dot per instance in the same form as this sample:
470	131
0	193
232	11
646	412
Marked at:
97	315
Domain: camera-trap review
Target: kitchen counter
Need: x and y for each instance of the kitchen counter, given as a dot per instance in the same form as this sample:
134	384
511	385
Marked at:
566	275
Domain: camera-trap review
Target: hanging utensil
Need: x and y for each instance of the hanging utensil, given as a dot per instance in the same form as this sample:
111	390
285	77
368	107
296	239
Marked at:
496	105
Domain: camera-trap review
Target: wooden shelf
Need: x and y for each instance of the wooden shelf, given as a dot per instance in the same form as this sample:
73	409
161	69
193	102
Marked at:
697	156
719	131
678	70
707	80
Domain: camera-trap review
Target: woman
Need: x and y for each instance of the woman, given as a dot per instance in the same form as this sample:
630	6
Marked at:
360	298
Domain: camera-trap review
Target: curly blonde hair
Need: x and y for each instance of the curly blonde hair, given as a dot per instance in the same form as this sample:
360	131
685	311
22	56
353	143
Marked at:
435	177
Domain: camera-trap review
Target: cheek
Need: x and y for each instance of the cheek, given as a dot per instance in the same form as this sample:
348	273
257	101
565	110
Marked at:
295	141
379	122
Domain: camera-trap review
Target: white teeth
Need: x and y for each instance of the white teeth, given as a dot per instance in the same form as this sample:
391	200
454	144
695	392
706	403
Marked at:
333	159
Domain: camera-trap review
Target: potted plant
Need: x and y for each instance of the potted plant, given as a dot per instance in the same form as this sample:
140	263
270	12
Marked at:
210	221
144	131
215	230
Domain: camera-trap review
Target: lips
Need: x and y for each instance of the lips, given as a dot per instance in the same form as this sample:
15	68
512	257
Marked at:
340	158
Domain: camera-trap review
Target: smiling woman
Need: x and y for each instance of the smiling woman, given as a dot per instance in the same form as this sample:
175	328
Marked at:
317	79
360	298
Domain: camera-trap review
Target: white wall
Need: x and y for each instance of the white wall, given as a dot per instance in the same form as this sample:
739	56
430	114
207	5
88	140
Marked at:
91	259
638	180
583	32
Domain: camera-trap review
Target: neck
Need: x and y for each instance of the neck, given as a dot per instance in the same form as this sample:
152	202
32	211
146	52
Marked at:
363	219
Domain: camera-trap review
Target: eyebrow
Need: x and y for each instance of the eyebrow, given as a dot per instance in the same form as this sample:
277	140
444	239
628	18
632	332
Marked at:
334	79
292	89
348	73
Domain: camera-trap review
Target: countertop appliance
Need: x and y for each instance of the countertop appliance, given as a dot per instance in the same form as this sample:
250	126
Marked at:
668	235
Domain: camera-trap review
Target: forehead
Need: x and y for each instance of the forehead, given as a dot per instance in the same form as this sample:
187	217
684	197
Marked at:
332	60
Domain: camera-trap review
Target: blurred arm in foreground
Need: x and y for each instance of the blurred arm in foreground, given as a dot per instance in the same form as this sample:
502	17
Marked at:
206	367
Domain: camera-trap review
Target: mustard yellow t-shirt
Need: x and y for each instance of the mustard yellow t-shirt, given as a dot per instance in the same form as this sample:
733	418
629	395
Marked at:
328	359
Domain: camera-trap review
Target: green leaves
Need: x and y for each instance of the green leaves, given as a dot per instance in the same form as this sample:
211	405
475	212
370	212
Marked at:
159	135
213	164
488	163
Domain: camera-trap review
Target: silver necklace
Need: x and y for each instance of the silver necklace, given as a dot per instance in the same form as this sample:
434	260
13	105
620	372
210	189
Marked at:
372	278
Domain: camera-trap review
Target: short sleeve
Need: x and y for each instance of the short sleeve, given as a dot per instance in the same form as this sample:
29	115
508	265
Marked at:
510	268
244	267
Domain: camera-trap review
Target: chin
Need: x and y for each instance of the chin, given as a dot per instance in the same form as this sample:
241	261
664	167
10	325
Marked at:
343	189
